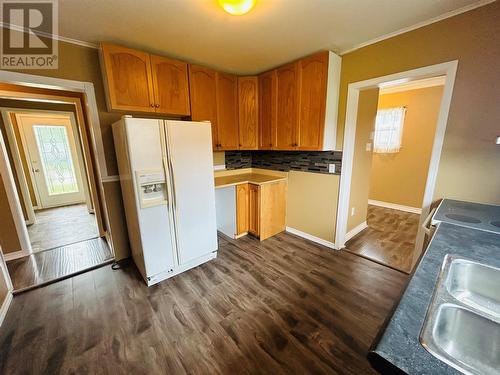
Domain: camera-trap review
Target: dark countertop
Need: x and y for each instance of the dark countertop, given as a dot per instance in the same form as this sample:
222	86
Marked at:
468	214
398	349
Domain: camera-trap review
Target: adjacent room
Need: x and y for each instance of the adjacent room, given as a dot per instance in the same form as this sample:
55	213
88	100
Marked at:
250	187
397	151
43	150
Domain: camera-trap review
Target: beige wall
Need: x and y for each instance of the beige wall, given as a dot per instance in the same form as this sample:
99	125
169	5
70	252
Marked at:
400	177
469	162
219	158
360	181
312	203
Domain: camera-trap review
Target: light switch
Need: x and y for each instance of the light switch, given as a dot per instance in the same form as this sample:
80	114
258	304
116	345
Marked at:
331	168
368	146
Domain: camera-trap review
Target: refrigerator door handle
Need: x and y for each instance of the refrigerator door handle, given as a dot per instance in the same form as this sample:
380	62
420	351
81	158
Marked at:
167	179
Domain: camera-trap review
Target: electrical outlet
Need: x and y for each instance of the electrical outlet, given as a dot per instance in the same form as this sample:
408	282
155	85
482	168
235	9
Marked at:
353	211
331	168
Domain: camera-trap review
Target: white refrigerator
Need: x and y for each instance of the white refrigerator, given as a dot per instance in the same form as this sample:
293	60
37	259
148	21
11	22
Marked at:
167	182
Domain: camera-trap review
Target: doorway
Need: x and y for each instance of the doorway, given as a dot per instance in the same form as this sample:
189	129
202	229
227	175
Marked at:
398	228
48	160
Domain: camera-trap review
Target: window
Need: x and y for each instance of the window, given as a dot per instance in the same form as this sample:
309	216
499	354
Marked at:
389	130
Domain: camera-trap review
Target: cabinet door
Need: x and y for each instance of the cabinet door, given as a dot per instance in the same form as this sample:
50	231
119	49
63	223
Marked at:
203	96
313	82
273	209
171	87
242	213
227	111
287	108
254	209
267	110
248	89
128	79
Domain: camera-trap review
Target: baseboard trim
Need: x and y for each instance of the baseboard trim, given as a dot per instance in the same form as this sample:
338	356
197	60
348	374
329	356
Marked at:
312	238
5	307
357	229
16	255
413	210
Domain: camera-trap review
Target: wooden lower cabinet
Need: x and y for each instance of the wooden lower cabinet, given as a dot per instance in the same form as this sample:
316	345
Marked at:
254	209
261	209
272	218
242	210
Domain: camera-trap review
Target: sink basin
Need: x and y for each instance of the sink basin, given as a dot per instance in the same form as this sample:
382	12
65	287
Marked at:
463	218
472	340
475	285
462	325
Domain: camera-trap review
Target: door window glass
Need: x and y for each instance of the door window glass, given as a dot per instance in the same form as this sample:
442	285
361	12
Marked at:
57	163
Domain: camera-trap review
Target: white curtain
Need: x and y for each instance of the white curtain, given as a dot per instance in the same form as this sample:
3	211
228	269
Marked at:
389	130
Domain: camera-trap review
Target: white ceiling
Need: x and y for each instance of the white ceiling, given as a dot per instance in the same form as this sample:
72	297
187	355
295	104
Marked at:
275	32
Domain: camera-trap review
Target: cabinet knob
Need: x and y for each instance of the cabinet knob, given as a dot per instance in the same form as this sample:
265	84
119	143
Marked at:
157	106
152	105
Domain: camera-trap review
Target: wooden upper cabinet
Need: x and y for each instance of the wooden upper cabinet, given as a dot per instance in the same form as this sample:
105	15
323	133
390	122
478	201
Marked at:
129	82
203	95
136	81
227	111
248	108
313	73
171	88
267	110
287	107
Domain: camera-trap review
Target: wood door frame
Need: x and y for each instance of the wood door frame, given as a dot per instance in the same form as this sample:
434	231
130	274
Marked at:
447	69
82	95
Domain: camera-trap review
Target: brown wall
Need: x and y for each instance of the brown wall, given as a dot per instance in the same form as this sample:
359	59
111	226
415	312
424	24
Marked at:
82	64
469	162
400	177
360	181
4	289
9	240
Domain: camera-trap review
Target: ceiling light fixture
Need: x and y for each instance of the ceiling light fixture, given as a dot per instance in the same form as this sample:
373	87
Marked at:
237	7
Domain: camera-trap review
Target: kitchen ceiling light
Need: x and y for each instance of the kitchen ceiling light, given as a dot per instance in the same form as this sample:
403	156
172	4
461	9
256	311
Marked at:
237	7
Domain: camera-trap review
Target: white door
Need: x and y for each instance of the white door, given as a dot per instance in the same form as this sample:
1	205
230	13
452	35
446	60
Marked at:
51	154
189	148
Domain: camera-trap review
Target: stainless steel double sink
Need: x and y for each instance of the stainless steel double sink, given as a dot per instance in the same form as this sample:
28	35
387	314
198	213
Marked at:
462	325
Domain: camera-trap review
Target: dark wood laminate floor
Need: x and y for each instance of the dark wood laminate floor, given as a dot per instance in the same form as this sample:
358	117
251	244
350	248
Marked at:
46	266
281	306
389	238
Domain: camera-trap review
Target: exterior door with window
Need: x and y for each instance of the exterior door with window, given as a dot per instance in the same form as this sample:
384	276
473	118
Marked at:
51	154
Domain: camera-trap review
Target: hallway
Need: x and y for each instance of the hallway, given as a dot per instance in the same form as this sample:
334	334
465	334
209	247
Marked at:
62	226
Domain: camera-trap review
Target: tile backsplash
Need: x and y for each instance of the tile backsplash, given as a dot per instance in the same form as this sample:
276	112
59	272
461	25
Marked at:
307	161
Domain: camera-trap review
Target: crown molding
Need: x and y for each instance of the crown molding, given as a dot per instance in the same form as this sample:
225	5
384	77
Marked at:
443	16
52	36
414	85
